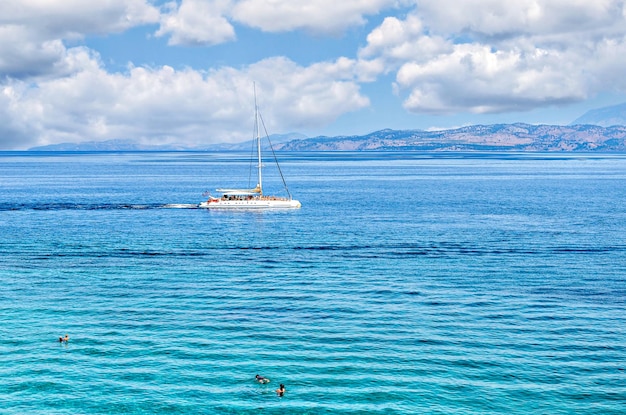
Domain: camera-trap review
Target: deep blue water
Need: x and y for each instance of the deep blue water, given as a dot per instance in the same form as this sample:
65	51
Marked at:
407	283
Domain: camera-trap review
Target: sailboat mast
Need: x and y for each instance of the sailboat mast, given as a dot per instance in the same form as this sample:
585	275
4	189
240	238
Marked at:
258	142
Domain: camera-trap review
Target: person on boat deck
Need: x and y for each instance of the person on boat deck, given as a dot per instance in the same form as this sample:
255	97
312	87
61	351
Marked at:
281	390
261	379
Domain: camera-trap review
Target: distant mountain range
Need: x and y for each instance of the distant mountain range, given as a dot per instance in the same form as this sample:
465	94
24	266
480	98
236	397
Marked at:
498	137
603	129
604	117
108	145
131	145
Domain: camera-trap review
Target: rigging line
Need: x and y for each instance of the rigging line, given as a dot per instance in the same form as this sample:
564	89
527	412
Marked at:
252	151
258	144
274	154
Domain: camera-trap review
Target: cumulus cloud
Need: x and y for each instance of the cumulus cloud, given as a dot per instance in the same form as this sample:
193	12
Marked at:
67	18
163	106
51	93
477	79
197	22
318	16
493	18
301	97
398	41
24	55
32	32
481	56
208	22
490	56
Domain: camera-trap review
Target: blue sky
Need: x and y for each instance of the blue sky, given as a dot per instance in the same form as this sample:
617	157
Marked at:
181	72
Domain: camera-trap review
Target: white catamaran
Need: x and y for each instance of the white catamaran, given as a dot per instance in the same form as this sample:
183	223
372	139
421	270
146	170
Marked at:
253	198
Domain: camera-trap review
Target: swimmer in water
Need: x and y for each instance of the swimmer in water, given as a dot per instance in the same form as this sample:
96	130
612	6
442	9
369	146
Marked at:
64	339
281	390
261	379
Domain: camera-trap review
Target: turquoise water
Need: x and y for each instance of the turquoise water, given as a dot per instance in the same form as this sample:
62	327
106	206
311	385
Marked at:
407	283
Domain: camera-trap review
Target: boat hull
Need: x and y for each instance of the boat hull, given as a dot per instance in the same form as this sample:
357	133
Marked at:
250	204
249	199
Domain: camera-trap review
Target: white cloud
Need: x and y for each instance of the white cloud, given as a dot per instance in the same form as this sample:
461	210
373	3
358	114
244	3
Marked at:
197	22
71	18
476	79
398	41
162	105
32	31
497	19
208	22
491	56
300	97
24	55
481	56
51	93
318	16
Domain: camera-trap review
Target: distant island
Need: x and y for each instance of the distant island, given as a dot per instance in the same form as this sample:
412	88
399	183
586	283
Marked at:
497	137
601	130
